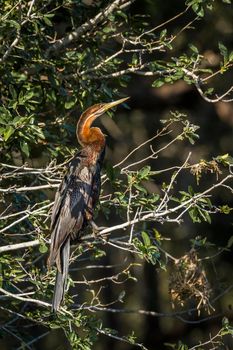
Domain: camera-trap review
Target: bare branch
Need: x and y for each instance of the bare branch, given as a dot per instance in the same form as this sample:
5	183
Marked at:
159	215
17	246
122	339
28	213
22	298
158	134
33	341
198	81
165	199
11	47
25	188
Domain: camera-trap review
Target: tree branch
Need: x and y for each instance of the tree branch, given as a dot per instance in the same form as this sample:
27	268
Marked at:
89	25
9	247
198	81
153	215
25	189
19	297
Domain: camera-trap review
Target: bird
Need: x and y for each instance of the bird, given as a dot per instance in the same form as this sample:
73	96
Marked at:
77	195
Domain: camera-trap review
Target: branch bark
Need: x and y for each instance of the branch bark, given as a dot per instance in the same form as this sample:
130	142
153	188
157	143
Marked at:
88	25
9	247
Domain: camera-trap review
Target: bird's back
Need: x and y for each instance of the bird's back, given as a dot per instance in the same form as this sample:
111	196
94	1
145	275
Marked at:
75	200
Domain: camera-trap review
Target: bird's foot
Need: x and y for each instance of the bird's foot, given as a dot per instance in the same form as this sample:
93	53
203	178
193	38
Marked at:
96	228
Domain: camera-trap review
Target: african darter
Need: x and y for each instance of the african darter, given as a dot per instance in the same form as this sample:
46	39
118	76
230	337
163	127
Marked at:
77	195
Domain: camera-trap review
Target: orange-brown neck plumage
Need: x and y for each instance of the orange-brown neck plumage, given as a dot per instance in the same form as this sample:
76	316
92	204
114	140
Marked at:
91	136
86	134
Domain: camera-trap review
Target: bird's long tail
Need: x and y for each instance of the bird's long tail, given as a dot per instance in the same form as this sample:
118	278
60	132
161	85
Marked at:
61	277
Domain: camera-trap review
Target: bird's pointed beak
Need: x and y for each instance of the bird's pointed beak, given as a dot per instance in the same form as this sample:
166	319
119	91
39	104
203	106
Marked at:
114	103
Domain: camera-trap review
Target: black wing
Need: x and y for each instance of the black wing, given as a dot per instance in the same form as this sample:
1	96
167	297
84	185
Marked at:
75	198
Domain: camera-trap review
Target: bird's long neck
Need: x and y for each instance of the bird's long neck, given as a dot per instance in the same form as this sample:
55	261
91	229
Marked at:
88	135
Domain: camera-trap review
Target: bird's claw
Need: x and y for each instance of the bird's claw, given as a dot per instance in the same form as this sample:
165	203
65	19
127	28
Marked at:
96	228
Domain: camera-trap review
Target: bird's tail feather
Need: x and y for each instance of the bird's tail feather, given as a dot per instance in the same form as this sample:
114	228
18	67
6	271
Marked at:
61	277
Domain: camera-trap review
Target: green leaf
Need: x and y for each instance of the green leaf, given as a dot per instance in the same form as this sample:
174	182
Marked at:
47	21
5	116
209	91
231	56
122	14
97	254
140	188
146	239
54	325
28	96
107	29
225	209
223	50
201	12
72	100
206	216
12	91
163	34
8	132
158	83
193	48
191	191
225	159
144	172
134	59
24	148
43	248
198	9
193	212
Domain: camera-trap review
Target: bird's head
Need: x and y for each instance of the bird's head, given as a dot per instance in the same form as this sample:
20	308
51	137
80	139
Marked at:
87	134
